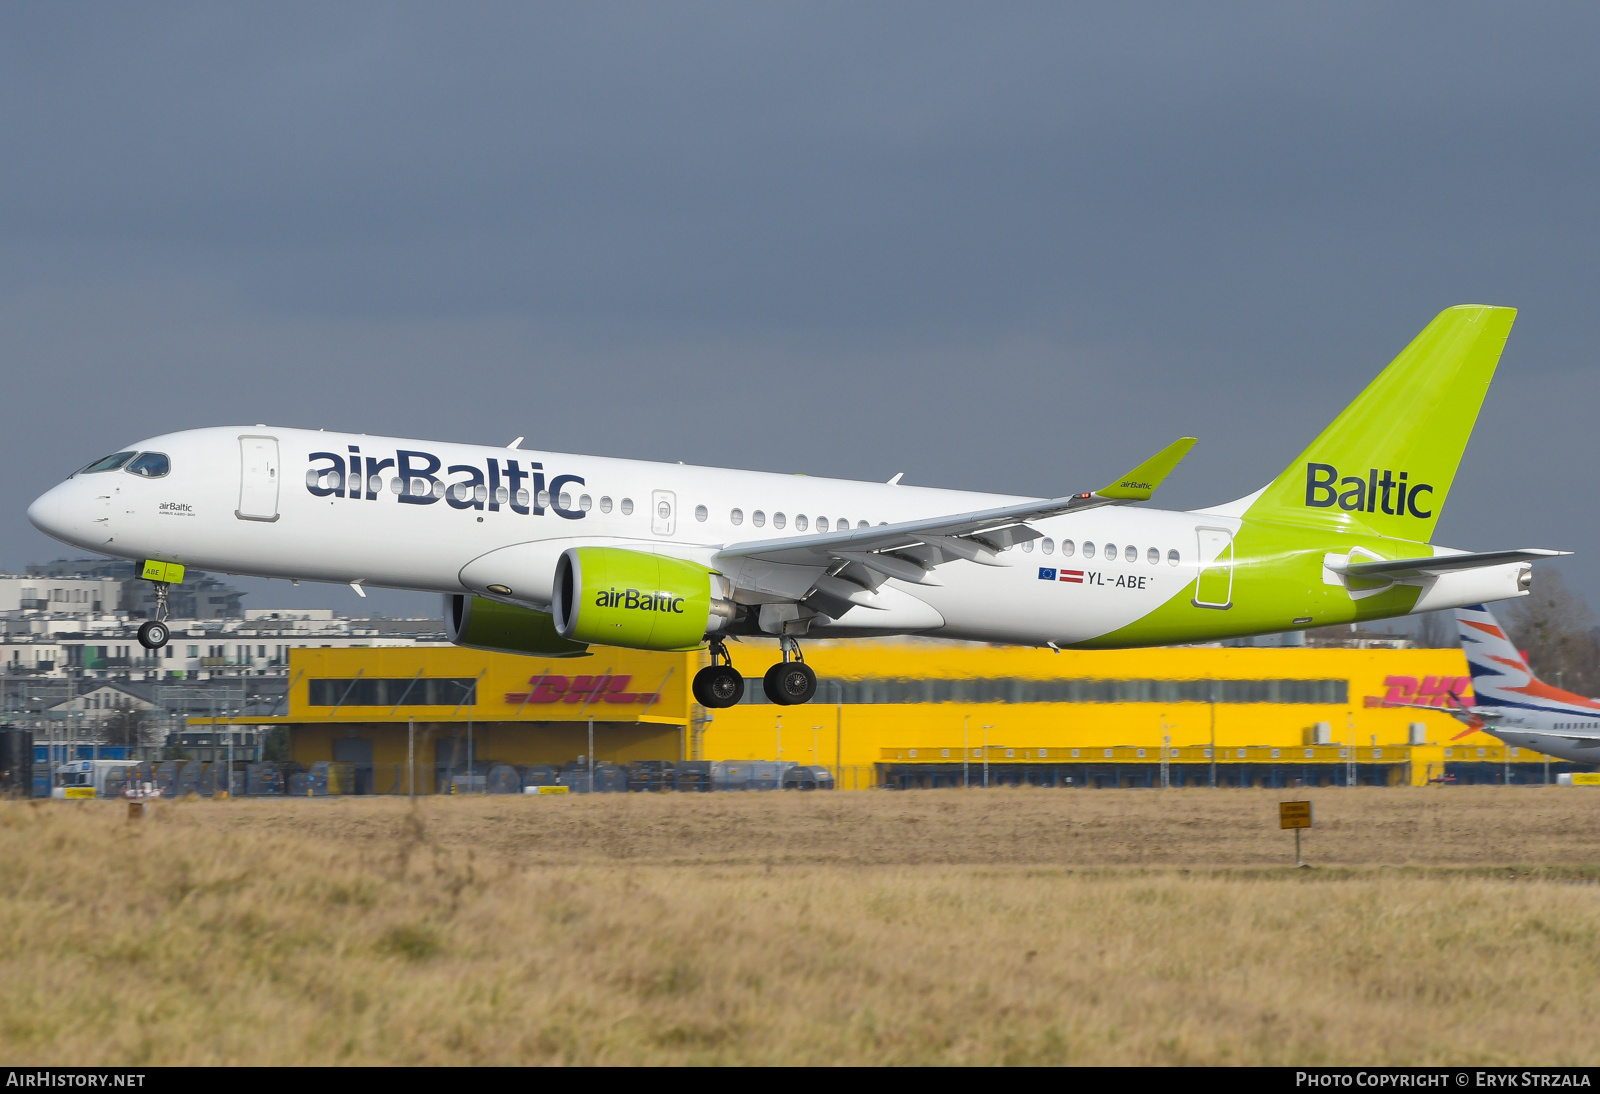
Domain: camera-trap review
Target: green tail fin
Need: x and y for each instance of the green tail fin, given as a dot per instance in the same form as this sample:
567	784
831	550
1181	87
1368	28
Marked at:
1386	464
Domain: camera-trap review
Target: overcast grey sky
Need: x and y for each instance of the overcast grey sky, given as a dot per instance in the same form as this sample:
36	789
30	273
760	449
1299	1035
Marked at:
1011	247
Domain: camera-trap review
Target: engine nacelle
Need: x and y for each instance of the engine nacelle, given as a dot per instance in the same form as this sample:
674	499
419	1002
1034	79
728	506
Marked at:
482	624
616	597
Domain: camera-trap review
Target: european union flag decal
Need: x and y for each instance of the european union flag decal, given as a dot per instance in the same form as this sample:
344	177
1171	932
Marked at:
1047	573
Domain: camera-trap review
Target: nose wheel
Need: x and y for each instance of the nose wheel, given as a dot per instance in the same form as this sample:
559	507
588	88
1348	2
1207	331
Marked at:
153	634
719	684
790	682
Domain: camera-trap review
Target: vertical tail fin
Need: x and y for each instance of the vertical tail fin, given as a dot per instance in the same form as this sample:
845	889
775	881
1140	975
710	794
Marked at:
1385	465
1500	674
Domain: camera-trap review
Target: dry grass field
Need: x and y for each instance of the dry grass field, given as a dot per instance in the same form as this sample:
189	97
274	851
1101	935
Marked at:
1456	926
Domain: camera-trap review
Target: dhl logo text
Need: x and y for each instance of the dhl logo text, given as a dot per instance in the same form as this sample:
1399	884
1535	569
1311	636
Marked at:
1444	692
580	689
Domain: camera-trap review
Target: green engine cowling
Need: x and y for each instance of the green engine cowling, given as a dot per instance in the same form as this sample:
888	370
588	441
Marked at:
616	597
482	624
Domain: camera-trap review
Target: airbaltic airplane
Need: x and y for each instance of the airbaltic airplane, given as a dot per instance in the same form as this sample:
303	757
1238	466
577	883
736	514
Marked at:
546	553
1513	704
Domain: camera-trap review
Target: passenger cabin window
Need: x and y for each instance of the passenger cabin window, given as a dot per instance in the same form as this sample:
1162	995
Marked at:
758	518
585	503
822	524
1154	556
1109	552
778	520
737	516
108	463
701	513
1088	548
627	507
1027	546
800	523
1172	558
605	505
1048	545
150	465
1131	553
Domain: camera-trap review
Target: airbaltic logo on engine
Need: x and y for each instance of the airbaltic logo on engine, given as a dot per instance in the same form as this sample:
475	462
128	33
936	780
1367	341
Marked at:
1325	489
634	601
414	478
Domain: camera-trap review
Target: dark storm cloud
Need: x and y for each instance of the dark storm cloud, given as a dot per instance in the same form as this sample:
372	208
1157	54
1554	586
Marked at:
1001	246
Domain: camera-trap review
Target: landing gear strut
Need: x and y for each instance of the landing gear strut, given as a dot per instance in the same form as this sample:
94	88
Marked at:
154	633
791	681
719	683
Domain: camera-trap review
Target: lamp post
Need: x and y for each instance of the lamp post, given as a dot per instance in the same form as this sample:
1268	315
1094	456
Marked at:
966	755
1349	748
986	730
1166	742
838	733
1212	751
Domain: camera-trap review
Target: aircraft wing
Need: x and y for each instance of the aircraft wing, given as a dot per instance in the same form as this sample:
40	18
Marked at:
1392	569
909	549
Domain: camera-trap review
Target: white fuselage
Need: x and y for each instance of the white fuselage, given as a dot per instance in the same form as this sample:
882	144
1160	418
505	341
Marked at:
1572	735
238	500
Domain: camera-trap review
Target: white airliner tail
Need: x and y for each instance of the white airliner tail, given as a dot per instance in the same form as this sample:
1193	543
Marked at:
1500	673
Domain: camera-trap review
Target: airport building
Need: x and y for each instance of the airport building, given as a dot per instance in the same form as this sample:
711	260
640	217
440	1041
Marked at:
909	713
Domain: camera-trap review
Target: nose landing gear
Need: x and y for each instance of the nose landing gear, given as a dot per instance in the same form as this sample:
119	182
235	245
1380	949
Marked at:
153	633
790	682
719	684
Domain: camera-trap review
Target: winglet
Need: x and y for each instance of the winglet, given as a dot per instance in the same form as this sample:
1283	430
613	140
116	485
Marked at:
1141	482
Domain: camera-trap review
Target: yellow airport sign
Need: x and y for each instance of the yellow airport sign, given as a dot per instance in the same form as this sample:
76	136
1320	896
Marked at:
1586	778
1294	814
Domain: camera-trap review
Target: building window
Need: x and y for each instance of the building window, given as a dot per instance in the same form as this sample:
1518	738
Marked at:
409	691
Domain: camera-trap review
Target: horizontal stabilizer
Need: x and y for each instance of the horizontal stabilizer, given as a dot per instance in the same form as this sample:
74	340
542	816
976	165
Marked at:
1394	569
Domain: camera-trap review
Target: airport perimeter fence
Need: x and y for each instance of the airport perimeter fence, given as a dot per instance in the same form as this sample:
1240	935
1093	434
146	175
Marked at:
178	779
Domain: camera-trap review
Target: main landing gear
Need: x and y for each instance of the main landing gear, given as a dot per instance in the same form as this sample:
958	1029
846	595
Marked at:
788	683
153	634
719	683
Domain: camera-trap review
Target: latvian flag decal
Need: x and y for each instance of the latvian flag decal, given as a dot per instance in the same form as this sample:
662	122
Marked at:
1074	576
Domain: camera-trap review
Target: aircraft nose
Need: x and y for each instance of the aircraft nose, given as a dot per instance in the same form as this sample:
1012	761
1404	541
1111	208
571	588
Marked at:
50	512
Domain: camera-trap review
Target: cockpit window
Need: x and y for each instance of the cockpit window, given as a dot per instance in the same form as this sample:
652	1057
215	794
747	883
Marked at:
150	465
108	463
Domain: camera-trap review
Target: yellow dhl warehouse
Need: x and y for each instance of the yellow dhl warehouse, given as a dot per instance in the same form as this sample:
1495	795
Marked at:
911	713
